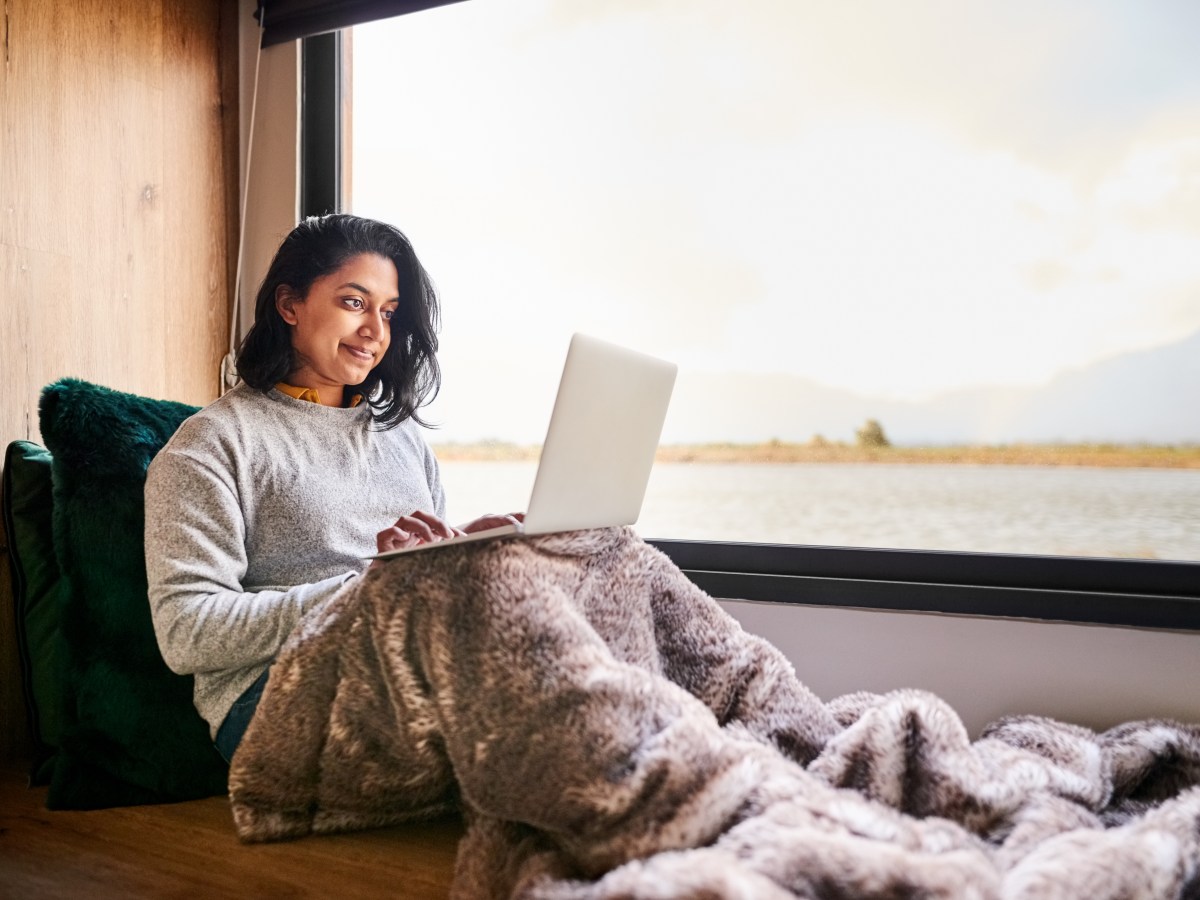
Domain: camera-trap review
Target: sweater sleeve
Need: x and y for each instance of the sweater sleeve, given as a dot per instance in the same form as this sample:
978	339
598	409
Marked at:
433	476
195	565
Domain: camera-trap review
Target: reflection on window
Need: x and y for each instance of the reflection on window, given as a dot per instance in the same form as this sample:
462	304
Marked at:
931	271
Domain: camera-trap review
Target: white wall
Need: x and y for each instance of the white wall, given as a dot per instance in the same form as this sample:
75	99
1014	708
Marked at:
273	204
1092	675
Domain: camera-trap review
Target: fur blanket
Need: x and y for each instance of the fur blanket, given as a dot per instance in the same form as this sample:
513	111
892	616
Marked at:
609	731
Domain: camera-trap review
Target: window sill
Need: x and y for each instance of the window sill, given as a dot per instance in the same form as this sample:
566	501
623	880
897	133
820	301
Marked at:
1127	592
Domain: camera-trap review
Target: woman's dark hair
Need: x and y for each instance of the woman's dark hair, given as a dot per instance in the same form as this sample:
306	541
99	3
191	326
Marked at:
408	376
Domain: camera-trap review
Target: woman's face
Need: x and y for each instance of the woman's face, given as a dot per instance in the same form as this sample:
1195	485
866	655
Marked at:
341	330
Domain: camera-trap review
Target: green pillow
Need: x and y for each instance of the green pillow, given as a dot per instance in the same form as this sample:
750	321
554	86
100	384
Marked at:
36	597
130	733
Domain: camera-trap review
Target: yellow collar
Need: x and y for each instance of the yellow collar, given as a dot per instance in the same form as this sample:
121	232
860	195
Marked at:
311	395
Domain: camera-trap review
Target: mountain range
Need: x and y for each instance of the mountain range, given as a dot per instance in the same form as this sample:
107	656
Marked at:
1149	396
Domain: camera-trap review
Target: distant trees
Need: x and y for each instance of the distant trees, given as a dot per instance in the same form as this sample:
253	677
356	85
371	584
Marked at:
871	435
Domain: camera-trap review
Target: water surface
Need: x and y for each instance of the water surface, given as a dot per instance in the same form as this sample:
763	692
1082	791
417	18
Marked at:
1058	510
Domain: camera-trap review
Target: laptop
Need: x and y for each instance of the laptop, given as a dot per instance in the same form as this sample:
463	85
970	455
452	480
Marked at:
600	445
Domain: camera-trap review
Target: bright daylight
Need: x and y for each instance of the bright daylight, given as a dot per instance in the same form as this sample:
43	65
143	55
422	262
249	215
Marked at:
974	224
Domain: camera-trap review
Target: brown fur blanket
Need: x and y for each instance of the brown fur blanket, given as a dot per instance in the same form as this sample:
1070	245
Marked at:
609	731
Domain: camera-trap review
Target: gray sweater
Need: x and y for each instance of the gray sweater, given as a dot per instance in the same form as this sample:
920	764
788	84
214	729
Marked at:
259	508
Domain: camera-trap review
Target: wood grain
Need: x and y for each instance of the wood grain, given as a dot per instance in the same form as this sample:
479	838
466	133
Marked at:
114	196
118	173
190	850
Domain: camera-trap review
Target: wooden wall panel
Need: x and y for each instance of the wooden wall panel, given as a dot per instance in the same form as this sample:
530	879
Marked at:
118	173
114	161
198	316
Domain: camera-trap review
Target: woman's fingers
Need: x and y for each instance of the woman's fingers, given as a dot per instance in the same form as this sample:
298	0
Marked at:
431	528
492	520
418	528
394	538
421	527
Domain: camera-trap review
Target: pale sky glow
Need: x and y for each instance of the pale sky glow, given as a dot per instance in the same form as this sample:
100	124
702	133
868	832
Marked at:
895	198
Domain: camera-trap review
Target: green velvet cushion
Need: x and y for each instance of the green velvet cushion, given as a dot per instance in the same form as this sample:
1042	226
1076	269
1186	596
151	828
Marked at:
130	733
36	596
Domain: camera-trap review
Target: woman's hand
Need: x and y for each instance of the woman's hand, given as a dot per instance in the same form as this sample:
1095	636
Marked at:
491	520
412	530
425	528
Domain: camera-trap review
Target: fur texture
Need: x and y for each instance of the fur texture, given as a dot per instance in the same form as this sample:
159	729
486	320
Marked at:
609	732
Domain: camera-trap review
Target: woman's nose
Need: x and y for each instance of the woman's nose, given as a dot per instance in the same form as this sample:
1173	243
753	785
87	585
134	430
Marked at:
373	325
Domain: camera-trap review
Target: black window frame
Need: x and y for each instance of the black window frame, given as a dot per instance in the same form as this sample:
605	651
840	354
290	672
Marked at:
321	124
1138	593
1135	593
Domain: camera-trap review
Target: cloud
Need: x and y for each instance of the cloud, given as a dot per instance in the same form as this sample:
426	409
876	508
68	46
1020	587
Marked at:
921	263
930	196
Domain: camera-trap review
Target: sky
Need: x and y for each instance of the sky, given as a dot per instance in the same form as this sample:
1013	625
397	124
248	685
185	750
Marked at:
895	198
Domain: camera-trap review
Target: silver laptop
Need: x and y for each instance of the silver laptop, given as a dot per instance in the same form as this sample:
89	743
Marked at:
599	448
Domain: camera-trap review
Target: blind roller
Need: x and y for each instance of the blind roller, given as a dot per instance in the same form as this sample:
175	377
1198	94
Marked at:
287	20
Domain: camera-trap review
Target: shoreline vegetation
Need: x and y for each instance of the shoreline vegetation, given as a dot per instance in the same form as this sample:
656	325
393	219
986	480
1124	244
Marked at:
1183	456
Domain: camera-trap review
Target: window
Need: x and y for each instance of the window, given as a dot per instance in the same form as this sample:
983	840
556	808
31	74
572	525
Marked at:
975	225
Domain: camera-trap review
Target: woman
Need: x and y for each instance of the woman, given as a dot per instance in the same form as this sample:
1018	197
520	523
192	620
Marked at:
587	707
265	503
575	683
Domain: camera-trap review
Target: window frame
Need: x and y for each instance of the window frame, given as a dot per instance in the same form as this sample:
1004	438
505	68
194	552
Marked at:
1137	593
321	131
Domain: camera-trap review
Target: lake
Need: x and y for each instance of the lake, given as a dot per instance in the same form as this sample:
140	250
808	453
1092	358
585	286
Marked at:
1058	510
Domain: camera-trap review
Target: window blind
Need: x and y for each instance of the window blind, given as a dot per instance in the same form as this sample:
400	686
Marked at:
288	20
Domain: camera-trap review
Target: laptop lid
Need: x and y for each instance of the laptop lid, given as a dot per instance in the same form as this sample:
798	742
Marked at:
600	445
599	449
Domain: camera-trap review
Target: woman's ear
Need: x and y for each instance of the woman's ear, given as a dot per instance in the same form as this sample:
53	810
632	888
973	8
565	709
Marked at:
285	302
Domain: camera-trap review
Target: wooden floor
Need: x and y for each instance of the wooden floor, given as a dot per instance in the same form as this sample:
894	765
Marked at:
189	849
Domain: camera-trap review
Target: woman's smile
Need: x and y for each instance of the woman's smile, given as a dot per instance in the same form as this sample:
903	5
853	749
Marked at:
360	353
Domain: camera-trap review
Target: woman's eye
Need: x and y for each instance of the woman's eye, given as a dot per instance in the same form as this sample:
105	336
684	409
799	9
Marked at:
387	314
354	302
